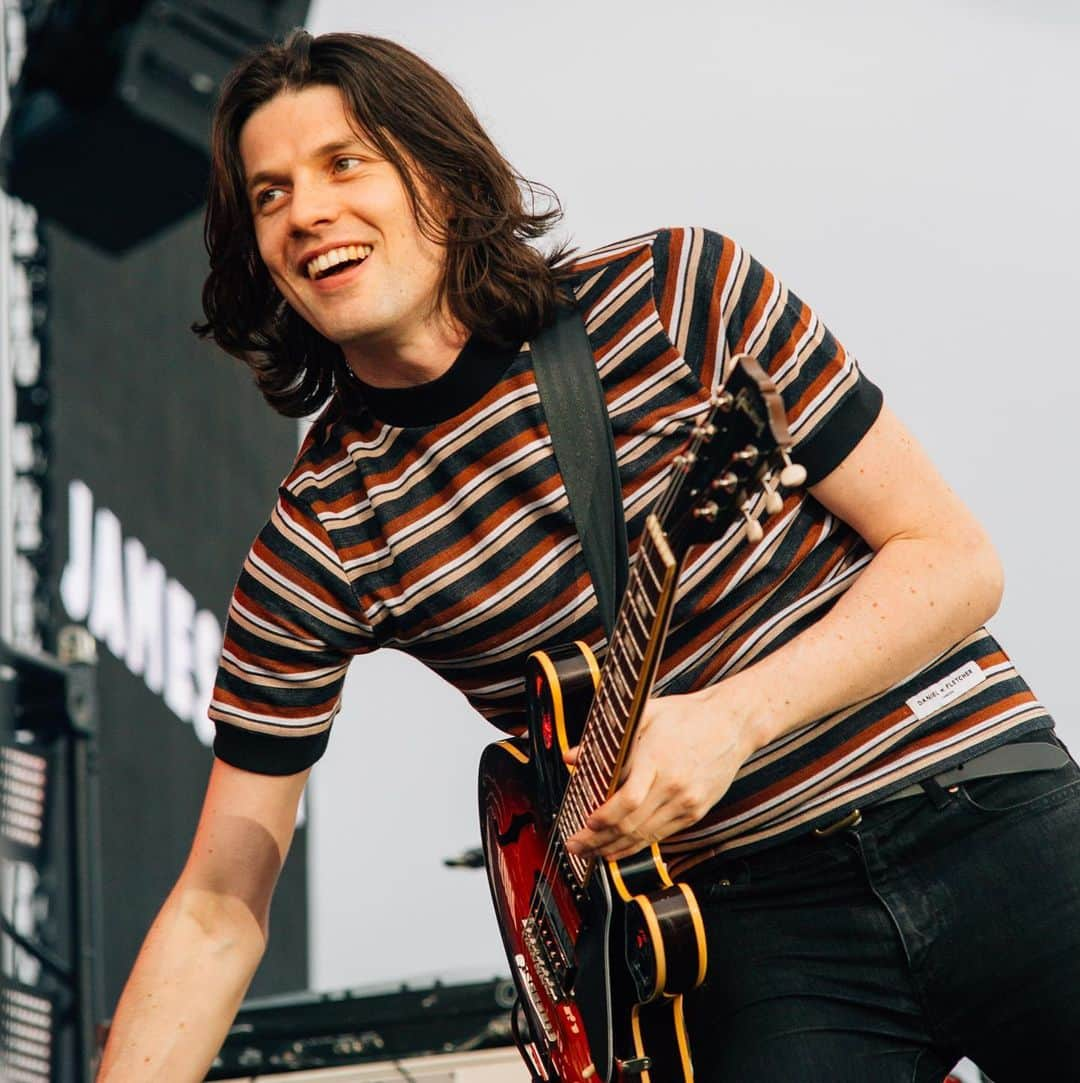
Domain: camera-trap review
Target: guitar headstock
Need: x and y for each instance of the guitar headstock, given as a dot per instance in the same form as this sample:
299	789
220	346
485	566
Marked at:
738	453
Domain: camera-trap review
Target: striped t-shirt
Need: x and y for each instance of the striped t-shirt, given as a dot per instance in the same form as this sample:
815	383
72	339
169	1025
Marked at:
432	519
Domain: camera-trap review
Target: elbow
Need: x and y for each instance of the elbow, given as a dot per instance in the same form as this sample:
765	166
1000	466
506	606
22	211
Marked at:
226	922
987	578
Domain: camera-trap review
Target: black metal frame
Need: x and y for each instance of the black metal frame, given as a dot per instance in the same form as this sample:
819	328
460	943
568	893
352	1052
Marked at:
57	703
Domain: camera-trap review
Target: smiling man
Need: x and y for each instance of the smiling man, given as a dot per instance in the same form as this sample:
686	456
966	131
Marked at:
840	758
337	231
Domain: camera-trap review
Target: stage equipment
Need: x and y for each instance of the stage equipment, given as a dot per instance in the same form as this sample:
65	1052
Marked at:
309	1030
109	125
50	943
482	1066
27	1033
25	433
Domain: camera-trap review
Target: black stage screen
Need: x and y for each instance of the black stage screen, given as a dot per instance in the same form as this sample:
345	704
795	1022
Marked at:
166	464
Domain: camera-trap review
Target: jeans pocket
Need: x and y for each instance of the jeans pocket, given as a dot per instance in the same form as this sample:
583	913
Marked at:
1031	790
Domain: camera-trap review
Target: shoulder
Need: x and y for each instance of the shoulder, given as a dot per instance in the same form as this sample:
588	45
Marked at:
660	256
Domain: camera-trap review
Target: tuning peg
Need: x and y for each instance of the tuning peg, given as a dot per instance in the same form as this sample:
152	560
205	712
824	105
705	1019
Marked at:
774	502
754	531
723	400
727	482
793	475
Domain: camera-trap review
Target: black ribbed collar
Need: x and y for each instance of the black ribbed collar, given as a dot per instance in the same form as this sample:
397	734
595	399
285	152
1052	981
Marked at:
475	371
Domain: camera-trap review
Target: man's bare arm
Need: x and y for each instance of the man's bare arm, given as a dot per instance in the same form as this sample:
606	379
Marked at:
204	946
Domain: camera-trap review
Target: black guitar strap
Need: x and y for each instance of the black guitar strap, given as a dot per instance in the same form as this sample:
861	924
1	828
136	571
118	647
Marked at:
573	403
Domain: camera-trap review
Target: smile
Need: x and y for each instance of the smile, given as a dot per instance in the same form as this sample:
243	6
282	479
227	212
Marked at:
336	260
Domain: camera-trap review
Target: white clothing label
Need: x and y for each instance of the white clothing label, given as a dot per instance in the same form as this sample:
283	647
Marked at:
932	699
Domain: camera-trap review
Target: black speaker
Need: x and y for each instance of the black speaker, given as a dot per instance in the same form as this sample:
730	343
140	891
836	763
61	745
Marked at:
108	133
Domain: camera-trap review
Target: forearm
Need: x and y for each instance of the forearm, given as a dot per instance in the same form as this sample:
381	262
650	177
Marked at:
916	598
184	991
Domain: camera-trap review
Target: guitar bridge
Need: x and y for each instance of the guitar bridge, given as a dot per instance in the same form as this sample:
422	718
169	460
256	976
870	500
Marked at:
528	987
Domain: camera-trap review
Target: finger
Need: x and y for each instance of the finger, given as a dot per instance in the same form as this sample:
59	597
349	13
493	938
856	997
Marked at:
627	835
647	834
631	803
615	820
570	756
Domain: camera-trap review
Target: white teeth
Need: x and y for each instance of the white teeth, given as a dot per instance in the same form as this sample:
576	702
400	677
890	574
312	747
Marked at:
336	256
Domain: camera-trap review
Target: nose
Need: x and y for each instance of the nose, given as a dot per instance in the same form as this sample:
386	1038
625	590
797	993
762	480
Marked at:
311	205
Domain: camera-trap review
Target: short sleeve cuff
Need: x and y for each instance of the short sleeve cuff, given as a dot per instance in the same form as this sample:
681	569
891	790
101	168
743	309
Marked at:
824	450
264	754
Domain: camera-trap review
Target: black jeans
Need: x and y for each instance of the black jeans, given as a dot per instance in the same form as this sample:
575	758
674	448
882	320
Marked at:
889	951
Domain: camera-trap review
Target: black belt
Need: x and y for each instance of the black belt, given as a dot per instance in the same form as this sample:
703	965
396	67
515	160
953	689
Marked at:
1011	759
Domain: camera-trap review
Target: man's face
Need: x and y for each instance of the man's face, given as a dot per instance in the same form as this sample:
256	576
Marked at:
335	227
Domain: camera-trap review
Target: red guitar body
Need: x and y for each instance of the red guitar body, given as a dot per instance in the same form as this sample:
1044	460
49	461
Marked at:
600	968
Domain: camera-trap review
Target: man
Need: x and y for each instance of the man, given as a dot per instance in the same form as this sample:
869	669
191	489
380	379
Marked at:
369	258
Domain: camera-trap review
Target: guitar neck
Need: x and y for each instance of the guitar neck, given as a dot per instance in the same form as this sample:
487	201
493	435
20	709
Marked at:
730	467
626	679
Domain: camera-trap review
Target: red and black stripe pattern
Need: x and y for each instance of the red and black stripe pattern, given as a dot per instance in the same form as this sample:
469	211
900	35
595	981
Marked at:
434	521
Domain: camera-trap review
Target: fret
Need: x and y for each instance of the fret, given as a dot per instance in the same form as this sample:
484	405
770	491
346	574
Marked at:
605	740
635	608
627	691
570	821
627	663
582	813
654	579
632	651
635	627
601	707
627	648
583	806
648	603
594	780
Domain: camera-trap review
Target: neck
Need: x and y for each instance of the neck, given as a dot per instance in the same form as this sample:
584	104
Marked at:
406	361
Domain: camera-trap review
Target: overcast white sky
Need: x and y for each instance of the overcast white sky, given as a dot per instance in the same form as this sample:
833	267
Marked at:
910	170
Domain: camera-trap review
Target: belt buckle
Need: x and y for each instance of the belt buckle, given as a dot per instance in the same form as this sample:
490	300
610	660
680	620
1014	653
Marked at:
852	819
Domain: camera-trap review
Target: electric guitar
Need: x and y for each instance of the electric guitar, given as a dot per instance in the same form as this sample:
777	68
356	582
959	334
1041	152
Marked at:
603	951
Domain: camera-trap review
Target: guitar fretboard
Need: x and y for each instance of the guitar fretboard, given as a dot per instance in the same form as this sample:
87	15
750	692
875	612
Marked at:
626	679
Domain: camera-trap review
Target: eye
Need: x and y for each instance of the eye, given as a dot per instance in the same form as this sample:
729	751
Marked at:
346	163
267	196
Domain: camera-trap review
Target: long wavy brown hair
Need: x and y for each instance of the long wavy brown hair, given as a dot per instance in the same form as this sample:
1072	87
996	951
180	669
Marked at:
495	283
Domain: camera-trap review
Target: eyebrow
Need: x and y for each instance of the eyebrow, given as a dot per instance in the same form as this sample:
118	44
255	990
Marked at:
324	151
